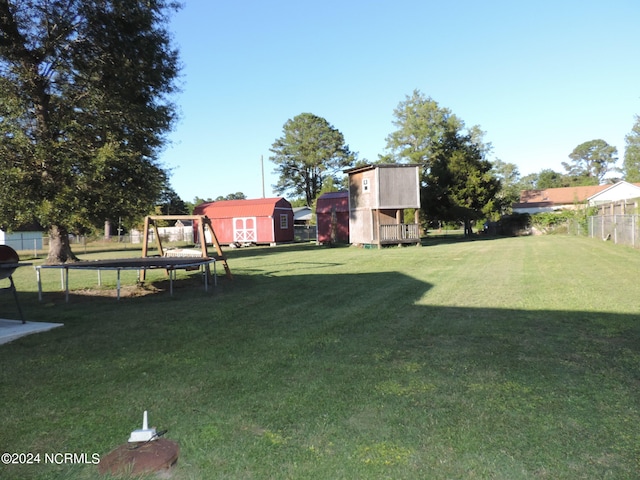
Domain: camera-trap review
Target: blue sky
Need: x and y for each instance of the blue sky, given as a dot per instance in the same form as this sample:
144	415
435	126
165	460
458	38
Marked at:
538	77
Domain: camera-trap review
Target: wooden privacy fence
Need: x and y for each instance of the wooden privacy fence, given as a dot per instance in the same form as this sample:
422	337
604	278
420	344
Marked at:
622	229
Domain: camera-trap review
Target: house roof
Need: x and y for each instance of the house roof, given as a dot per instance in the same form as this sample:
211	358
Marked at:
557	196
562	196
626	189
259	207
302	213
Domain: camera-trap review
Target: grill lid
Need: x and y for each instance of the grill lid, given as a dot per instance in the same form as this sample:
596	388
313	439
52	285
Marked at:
9	261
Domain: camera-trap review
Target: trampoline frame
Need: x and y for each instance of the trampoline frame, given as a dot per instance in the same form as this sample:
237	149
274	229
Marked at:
170	264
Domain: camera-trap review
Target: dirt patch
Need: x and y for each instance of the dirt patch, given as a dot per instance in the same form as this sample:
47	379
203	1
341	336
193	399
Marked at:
88	294
125	291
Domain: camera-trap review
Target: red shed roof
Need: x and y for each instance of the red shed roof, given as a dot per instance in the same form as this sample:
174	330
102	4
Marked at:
259	207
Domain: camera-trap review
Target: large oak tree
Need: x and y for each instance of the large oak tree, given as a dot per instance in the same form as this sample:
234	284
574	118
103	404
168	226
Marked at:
460	185
420	124
85	107
457	180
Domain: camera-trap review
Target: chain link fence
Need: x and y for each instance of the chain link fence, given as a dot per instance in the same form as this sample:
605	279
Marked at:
305	233
620	229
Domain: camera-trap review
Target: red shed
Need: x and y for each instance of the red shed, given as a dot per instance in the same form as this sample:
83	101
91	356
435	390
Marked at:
259	221
334	204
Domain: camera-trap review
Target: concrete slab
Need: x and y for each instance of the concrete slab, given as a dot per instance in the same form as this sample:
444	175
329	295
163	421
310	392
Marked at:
13	329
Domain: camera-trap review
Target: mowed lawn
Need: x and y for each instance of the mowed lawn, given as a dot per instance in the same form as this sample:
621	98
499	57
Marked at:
514	358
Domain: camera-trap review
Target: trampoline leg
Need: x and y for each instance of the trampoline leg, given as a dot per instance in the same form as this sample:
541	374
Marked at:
39	284
15	296
66	282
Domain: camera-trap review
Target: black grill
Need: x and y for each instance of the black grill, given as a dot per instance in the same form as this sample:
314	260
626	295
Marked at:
9	261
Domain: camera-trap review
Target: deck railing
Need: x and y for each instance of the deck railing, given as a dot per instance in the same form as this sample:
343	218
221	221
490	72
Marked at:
400	233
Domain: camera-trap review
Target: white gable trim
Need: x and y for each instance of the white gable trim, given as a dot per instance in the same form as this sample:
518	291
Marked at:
619	191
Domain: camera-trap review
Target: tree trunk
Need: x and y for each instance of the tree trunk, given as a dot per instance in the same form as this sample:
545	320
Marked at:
59	247
468	230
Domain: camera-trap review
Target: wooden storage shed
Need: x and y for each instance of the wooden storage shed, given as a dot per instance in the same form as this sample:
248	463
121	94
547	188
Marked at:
257	221
378	196
332	216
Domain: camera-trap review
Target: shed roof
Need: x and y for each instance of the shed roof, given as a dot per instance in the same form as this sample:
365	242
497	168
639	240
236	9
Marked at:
364	168
259	207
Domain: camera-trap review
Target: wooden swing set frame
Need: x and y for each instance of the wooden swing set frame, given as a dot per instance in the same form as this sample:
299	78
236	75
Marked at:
202	221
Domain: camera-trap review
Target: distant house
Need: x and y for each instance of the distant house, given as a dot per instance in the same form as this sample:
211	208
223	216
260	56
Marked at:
615	193
302	215
181	231
569	198
553	199
378	196
332	217
257	221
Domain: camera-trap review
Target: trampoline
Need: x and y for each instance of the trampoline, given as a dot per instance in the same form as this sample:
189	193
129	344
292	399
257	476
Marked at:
170	264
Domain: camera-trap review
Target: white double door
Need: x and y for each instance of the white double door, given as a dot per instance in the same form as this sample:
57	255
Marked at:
244	230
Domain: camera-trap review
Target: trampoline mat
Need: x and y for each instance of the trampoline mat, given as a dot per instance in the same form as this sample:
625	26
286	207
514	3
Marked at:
135	263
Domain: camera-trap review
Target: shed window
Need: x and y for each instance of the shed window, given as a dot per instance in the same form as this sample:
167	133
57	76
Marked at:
284	222
365	184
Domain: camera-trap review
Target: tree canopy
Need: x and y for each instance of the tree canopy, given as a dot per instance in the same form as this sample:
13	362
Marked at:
509	177
420	126
631	162
460	184
591	161
309	152
85	106
170	203
231	196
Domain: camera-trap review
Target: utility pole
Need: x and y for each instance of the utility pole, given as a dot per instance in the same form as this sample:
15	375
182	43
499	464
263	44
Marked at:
262	167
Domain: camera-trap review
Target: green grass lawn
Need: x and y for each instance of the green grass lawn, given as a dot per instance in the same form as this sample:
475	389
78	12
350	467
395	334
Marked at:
515	358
